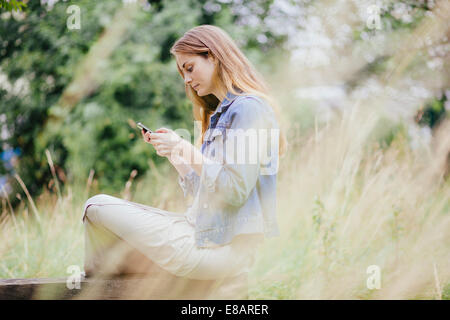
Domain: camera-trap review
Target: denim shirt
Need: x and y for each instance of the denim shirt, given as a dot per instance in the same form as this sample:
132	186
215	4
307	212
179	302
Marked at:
236	191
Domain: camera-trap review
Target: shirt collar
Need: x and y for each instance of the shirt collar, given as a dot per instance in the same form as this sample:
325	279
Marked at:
229	98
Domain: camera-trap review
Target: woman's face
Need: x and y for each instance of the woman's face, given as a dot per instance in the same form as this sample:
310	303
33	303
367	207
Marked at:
198	72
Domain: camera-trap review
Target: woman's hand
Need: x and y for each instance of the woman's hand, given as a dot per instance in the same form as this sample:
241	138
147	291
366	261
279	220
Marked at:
178	151
166	142
145	135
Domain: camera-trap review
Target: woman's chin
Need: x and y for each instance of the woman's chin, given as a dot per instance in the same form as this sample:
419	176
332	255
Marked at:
202	93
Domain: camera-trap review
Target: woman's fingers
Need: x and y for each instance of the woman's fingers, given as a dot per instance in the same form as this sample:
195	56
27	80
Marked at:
160	138
155	142
147	137
161	141
159	135
161	130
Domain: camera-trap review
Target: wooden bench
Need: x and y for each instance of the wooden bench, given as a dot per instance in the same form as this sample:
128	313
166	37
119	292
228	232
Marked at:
125	287
135	277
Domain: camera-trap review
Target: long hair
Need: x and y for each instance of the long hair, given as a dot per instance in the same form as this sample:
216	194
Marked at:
233	72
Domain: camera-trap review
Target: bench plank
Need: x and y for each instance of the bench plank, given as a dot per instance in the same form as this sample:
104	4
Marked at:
124	288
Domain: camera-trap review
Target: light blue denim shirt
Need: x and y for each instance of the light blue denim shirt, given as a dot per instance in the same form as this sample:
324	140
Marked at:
236	191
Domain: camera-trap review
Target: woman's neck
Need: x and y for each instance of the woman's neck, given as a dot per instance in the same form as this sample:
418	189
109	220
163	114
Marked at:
220	94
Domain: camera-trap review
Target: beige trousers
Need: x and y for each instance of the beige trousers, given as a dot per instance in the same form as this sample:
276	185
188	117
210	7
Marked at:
164	237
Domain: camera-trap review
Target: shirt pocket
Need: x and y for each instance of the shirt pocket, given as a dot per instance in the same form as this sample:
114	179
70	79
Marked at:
214	143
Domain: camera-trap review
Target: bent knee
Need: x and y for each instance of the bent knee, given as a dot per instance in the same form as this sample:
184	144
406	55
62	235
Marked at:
90	212
90	205
98	198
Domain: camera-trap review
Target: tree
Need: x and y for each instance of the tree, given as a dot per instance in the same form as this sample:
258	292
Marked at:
70	97
10	5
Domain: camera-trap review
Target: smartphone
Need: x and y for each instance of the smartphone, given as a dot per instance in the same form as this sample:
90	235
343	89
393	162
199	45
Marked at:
140	125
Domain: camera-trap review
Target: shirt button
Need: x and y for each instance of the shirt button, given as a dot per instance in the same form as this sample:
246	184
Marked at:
205	206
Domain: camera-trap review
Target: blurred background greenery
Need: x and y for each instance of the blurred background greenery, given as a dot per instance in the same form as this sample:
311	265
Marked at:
78	92
70	92
70	98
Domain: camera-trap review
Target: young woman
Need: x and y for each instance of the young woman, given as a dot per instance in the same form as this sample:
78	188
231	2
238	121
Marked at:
234	200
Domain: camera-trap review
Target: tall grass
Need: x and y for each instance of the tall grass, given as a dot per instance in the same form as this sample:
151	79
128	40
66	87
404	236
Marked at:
345	202
42	237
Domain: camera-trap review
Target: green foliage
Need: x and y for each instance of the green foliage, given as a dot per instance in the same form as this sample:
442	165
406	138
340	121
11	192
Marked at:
385	131
138	82
433	112
10	5
446	292
396	15
415	9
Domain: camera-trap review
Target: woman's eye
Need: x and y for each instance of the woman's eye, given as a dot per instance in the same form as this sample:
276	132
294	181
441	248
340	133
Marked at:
190	69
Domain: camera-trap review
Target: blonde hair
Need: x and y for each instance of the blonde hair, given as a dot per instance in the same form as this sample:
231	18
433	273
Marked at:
233	71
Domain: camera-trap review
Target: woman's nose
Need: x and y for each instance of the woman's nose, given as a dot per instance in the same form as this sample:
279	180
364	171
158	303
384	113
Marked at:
187	80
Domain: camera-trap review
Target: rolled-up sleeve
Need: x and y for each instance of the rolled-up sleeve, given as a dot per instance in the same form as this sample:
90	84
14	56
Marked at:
189	183
234	174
